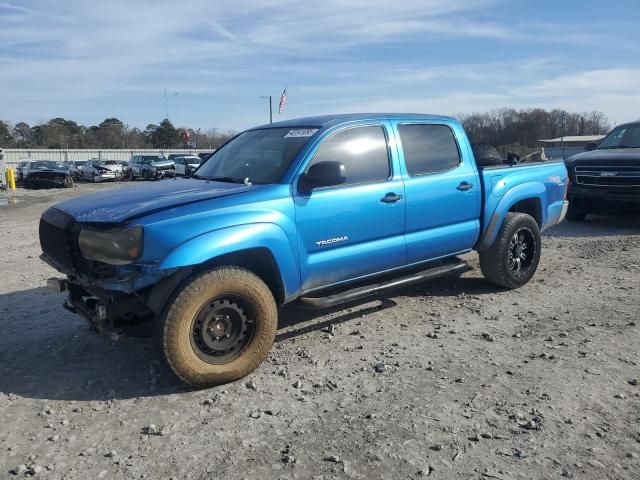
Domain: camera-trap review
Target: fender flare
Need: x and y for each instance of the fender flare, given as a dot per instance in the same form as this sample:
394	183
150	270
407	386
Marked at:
524	191
216	243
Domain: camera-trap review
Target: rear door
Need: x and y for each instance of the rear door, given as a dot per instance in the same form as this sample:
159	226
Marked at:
443	191
355	229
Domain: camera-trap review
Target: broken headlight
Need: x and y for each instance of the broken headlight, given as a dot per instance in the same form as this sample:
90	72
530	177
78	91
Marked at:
116	247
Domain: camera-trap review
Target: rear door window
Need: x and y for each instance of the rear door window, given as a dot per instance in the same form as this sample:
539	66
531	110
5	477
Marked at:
428	148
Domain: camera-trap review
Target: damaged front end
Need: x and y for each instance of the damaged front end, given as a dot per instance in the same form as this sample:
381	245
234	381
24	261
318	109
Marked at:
111	296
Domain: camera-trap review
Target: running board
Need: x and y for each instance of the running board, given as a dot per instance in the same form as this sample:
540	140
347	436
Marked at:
458	267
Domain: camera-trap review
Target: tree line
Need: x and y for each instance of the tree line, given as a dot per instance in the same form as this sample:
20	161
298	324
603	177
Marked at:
501	127
507	126
111	133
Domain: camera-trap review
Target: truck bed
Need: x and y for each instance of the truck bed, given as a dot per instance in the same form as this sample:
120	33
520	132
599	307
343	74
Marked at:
506	186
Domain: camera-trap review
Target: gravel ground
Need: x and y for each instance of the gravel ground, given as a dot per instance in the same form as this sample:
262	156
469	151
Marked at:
453	379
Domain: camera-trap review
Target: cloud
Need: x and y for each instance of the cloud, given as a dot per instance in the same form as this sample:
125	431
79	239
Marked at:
90	60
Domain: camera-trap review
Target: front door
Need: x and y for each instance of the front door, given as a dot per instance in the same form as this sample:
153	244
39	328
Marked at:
355	229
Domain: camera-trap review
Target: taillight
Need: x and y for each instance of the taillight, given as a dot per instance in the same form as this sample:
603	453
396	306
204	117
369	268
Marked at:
566	188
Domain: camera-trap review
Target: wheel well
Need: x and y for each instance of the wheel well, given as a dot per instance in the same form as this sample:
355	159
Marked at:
257	260
530	206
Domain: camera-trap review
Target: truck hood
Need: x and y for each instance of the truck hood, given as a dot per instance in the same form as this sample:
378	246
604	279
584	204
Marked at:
121	204
621	156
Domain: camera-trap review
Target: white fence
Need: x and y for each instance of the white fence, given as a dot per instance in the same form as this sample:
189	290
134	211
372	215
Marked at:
13	155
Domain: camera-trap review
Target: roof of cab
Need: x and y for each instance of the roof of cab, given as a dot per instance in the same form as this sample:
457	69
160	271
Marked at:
336	119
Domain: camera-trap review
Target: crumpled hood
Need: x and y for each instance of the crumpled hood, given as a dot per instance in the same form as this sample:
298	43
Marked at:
111	168
120	204
163	163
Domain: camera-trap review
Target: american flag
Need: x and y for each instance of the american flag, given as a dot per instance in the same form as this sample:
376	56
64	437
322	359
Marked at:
283	101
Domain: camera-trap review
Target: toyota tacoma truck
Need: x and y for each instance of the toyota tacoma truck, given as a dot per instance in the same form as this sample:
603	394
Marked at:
322	210
606	178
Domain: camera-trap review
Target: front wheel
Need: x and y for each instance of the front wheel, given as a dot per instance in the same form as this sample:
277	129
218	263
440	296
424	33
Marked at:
218	327
513	258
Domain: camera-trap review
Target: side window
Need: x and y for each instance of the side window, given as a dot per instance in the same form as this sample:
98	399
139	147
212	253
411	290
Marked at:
428	148
362	150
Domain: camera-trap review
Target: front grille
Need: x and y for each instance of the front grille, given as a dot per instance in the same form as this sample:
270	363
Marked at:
609	176
46	176
56	237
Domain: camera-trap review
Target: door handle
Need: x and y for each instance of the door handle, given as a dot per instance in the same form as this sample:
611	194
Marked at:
391	198
465	186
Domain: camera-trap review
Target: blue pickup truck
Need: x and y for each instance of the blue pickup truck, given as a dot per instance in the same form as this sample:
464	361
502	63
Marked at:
322	210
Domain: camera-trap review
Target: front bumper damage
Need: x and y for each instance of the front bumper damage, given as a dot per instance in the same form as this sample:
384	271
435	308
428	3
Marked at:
114	303
107	314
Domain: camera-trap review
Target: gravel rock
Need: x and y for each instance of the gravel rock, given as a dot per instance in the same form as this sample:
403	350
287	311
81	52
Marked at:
19	470
251	385
380	367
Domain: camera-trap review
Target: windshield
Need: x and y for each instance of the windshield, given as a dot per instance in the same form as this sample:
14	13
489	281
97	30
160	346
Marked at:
262	156
48	164
624	136
192	160
154	158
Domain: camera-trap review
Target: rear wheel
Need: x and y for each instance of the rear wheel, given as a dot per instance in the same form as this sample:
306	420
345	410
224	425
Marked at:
218	328
513	258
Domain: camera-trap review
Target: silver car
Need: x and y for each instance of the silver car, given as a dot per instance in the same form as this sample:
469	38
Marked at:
98	170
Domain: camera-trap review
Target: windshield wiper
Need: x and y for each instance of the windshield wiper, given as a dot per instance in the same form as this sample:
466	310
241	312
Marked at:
225	179
611	147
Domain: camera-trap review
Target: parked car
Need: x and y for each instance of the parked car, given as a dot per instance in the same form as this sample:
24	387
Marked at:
47	173
124	166
205	155
21	169
173	156
323	210
606	178
99	170
151	167
187	165
75	167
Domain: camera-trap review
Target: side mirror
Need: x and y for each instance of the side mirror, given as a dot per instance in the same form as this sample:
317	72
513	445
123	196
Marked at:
323	174
590	146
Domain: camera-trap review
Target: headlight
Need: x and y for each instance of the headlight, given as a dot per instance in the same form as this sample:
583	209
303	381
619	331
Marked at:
116	247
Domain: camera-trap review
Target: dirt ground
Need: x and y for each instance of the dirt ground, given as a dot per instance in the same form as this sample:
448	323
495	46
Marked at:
453	379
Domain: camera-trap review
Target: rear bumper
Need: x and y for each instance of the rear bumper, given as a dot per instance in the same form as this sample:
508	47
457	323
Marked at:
563	213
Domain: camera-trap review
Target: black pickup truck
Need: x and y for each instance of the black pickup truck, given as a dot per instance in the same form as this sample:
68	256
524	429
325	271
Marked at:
606	178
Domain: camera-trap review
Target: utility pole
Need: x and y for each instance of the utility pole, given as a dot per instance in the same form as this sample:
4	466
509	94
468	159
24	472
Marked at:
166	105
270	107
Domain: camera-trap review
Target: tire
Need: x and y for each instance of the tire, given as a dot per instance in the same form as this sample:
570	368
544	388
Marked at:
576	214
486	155
233	297
499	263
68	182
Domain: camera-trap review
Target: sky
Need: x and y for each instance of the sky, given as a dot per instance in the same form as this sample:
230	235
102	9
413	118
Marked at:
88	61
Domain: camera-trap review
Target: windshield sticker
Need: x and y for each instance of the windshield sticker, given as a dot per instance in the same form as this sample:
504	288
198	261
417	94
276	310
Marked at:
301	132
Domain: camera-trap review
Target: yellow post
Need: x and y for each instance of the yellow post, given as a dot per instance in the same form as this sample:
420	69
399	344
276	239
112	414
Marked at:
11	180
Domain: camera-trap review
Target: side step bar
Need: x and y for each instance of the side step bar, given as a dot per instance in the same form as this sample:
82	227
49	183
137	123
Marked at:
458	267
